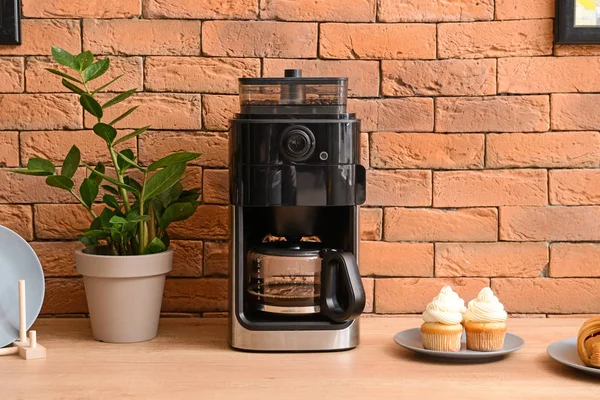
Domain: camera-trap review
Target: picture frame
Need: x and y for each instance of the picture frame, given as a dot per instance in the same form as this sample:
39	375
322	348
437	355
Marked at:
10	22
577	22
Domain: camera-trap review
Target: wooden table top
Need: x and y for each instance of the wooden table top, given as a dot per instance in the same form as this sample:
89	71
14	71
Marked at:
191	360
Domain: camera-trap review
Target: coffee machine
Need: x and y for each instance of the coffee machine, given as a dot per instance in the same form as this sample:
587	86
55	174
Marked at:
295	189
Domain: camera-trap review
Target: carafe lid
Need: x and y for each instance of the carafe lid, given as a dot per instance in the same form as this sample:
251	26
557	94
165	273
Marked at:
289	249
293	94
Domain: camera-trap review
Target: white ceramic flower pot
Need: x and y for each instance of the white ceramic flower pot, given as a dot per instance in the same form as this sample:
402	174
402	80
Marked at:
124	294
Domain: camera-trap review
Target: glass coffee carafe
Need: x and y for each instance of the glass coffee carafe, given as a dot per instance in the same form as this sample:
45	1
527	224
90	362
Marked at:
302	278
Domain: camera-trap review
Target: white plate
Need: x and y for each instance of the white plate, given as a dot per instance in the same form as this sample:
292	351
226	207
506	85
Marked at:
411	339
565	352
18	261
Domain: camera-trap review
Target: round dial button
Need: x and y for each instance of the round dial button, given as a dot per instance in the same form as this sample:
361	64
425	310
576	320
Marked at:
297	143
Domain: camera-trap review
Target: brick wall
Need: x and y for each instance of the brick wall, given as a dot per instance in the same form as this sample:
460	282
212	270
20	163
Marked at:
481	137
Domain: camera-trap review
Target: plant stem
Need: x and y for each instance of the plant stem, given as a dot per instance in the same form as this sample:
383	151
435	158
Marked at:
143	226
80	200
113	156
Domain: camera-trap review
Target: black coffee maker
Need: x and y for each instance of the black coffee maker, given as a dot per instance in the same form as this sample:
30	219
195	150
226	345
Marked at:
295	188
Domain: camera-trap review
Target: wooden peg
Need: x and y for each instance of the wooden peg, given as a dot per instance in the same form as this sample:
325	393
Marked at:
23	341
34	350
9	350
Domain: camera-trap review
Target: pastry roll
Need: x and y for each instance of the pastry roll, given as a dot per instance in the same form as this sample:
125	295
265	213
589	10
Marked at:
588	342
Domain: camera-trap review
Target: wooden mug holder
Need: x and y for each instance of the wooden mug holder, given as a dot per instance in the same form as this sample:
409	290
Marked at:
26	347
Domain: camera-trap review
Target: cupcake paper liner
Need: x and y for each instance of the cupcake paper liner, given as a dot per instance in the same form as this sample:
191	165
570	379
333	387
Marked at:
442	341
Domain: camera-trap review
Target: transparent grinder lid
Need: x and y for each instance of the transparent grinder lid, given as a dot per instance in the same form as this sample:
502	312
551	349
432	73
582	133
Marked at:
293	94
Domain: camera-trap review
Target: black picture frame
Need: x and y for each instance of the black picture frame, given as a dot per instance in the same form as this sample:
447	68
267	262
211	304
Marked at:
10	22
565	31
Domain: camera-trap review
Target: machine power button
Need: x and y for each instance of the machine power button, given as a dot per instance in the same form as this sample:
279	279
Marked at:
297	143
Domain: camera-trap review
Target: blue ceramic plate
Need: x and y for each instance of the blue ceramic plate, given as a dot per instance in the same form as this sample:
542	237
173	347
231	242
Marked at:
18	261
565	352
411	339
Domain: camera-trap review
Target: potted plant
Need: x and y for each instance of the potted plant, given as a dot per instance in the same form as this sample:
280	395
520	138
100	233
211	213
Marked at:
126	255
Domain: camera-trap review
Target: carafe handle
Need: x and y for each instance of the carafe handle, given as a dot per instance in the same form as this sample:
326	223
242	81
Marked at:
339	271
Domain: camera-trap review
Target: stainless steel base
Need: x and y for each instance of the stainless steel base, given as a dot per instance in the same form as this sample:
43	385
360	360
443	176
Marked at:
325	340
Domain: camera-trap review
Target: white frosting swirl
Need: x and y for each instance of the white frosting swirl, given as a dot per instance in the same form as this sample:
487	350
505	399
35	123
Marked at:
446	308
485	308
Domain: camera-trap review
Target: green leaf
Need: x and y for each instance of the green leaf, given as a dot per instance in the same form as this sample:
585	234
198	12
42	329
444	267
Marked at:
111	201
119	98
96	70
138	218
132	182
60	181
34	172
110	189
73	88
107	84
114	181
166	239
177	212
174	158
163	180
124	115
105	131
96	224
88	191
132	135
40	164
105	217
169	196
91	105
118	220
126	159
95	233
65	58
155	246
59	73
188	196
71	162
95	176
85	59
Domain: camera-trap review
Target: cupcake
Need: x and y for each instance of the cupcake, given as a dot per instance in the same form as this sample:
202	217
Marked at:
442	329
485	322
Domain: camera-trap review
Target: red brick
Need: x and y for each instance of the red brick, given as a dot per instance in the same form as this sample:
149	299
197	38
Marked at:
577	50
433	225
549	223
434	10
490	259
82	8
493	114
18	218
363	76
209	222
9	149
524	9
318	10
218	110
203	9
490	188
187	258
440	77
54	145
64	296
369	286
398	188
57	258
60	221
495	39
190	74
11	75
411	295
371	223
159	37
546	150
396	259
574	187
416	150
575	111
195	295
38	35
574	260
216	186
544	295
160	111
377	41
401	115
213	147
259	39
32	189
216	258
39	111
40	80
548	74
